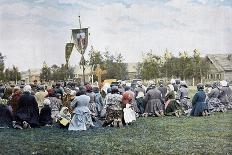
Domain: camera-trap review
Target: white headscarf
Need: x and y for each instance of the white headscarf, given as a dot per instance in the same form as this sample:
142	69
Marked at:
171	88
27	88
47	102
223	83
173	81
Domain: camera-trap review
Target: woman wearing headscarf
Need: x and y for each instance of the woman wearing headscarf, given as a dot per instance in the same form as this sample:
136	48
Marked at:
13	102
224	94
40	96
200	107
171	106
182	97
81	119
45	118
153	102
92	102
99	100
27	113
214	104
114	111
64	117
55	104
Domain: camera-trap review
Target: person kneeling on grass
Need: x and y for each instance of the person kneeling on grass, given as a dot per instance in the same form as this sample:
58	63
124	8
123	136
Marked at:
27	113
64	117
128	112
172	107
5	116
82	119
200	107
45	118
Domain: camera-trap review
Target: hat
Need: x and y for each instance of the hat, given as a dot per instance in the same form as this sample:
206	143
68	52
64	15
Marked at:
47	102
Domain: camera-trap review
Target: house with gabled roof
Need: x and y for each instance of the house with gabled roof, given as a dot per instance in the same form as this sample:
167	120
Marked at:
220	67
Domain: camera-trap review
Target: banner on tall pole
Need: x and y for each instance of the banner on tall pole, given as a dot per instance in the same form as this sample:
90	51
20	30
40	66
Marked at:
68	51
80	39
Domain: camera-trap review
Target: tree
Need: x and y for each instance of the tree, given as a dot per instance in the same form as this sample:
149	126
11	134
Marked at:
61	72
150	66
2	66
45	74
114	66
12	74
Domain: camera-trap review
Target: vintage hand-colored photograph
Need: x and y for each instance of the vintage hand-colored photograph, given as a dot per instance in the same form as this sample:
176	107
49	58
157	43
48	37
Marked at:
115	77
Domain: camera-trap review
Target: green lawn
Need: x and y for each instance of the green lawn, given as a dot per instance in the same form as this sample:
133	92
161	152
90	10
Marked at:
168	135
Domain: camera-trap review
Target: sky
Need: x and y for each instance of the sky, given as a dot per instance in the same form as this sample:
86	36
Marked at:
34	31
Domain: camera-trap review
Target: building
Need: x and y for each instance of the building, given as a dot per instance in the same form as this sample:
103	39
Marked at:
31	75
220	67
132	70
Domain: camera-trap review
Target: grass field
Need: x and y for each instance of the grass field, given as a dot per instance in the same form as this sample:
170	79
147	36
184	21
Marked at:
168	135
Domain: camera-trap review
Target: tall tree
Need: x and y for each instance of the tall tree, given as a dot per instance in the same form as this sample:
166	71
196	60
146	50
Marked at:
2	66
45	74
150	66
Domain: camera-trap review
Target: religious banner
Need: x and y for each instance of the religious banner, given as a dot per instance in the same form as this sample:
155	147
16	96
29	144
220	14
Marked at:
80	39
68	51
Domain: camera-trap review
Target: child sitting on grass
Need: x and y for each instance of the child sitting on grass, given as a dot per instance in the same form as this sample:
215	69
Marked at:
45	118
64	117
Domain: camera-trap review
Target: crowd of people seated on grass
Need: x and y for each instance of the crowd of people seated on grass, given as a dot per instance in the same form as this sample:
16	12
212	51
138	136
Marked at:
83	107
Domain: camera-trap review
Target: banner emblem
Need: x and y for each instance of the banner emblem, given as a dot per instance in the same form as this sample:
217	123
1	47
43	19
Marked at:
80	39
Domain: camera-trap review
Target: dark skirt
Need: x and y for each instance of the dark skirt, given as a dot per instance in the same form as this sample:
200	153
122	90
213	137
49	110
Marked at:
153	106
172	107
113	114
198	108
5	117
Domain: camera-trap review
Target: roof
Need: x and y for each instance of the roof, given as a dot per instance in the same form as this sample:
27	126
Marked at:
223	62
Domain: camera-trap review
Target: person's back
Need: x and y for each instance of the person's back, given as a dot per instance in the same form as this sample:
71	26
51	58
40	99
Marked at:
28	109
45	116
115	101
163	91
223	96
5	116
154	94
214	93
182	93
40	96
80	101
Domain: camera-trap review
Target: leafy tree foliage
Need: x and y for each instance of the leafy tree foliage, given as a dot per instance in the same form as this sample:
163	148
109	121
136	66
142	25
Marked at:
2	66
150	66
12	74
45	74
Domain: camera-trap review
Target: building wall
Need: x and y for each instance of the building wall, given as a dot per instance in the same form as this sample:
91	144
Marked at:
228	76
